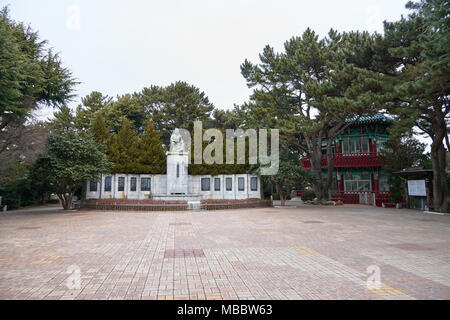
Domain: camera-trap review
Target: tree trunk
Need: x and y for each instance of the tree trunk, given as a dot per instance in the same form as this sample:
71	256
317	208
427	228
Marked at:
66	200
280	193
330	167
44	197
83	193
321	187
444	187
282	199
316	169
439	163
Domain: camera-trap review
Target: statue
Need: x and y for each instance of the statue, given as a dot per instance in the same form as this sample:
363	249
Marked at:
176	142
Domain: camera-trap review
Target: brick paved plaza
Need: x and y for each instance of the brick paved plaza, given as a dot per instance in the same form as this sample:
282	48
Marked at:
295	253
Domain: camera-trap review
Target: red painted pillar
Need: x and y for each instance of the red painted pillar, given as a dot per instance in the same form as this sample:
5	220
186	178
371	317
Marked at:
376	181
376	185
340	185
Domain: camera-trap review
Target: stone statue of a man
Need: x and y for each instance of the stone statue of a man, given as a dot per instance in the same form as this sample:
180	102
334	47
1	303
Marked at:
176	142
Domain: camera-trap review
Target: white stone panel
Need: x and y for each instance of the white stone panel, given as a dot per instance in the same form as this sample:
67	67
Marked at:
129	193
229	194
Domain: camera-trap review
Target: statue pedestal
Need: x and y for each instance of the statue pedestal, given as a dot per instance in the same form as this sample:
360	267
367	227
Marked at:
177	173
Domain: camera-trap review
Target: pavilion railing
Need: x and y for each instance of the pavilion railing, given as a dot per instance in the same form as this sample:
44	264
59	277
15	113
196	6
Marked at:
362	197
342	160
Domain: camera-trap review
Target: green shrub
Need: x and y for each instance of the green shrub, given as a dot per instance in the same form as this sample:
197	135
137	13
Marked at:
10	196
397	188
266	196
19	194
308	195
275	196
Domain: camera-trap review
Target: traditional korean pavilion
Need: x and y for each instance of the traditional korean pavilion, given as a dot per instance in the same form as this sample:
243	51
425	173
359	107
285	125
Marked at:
358	176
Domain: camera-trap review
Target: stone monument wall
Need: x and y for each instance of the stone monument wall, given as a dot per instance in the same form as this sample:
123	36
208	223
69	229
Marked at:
217	186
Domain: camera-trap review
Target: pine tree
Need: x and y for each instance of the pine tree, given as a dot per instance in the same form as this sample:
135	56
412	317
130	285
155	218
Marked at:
112	151
311	92
64	120
90	105
99	129
416	67
151	156
122	149
175	106
126	106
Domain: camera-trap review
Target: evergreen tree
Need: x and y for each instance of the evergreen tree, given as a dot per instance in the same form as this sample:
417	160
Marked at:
415	60
122	149
290	174
175	106
98	128
70	161
401	152
227	119
90	105
126	106
63	120
31	75
312	92
151	157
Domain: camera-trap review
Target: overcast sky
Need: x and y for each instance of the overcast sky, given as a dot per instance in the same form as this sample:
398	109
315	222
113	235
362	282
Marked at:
118	47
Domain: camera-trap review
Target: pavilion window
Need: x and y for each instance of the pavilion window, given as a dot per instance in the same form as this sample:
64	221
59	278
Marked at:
383	182
108	183
146	184
347	146
357	181
355	145
365	145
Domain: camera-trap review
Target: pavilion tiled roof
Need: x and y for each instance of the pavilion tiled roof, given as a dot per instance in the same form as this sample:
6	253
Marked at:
377	118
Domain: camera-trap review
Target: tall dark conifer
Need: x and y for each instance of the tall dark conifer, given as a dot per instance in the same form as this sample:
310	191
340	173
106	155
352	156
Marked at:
151	157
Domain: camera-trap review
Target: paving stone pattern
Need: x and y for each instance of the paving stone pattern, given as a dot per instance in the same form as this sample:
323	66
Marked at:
268	253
